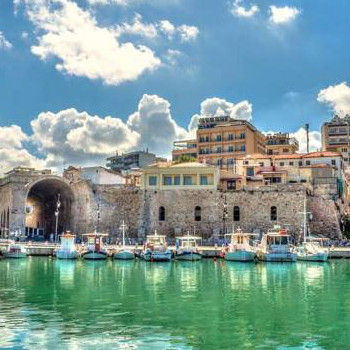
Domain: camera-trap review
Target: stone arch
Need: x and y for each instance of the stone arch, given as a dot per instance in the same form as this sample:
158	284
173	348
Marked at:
40	205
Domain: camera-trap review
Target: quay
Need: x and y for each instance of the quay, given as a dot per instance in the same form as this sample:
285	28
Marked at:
47	249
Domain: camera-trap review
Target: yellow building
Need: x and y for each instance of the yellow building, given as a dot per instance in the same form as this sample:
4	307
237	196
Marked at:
187	148
336	136
170	176
281	143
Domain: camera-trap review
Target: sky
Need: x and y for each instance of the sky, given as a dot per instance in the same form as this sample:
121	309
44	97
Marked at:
82	79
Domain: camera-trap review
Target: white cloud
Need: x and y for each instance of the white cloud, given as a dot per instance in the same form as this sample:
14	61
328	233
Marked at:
337	97
172	56
314	140
108	2
4	43
283	15
12	137
167	28
188	33
214	107
239	10
82	47
137	27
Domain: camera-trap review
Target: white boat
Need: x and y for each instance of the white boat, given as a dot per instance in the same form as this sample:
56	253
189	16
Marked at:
67	249
275	246
311	248
124	253
239	248
187	249
156	249
15	251
95	250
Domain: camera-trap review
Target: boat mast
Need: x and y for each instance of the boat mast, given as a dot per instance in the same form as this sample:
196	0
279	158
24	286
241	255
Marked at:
123	227
305	219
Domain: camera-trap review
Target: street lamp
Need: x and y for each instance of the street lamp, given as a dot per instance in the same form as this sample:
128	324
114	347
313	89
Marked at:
57	212
225	214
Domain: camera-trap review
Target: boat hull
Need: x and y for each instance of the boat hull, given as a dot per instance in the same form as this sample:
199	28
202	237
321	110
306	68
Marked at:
124	255
277	257
155	256
94	256
188	256
61	254
318	257
240	255
15	255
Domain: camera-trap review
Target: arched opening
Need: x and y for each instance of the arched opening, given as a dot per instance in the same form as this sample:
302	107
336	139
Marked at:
236	213
161	214
41	205
197	214
273	213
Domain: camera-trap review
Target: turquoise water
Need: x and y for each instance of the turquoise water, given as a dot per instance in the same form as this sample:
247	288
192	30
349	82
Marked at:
51	304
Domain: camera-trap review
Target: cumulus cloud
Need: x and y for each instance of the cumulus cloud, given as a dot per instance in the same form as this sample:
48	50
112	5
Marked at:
239	10
337	97
4	43
188	33
137	27
107	2
215	107
283	14
12	137
167	28
82	47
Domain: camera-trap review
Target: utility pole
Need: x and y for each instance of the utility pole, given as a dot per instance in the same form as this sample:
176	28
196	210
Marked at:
57	212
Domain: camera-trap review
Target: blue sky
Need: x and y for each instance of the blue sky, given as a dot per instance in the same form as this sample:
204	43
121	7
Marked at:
66	65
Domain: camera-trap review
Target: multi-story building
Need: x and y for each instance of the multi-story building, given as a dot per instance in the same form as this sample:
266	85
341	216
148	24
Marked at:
220	140
281	143
132	160
336	136
187	148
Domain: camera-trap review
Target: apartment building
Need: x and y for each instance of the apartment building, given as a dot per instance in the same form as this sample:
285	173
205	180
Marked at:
336	136
185	148
281	143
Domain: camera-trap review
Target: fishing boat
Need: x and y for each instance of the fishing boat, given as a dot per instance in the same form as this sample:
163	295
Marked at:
239	248
156	248
67	249
15	251
275	246
311	248
95	250
124	253
187	249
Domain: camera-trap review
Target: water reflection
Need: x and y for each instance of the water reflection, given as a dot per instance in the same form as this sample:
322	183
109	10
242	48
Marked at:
50	304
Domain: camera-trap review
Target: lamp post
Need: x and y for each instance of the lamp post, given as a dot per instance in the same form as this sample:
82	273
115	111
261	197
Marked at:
225	214
57	212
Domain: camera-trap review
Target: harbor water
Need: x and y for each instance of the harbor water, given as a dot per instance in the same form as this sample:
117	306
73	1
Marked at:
53	304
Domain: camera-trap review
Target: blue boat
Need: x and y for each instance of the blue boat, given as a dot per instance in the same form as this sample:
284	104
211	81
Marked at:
239	248
156	249
275	246
186	248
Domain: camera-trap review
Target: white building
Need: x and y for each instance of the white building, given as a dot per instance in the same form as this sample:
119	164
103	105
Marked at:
99	175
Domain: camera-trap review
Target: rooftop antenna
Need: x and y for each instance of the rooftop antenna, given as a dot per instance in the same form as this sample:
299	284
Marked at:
307	137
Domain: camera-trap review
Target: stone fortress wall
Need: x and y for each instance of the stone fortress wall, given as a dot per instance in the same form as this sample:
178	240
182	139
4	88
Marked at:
140	208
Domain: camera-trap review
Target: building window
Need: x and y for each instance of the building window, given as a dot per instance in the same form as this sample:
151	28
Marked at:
230	161
307	162
218	149
250	171
219	161
273	213
230	148
285	150
230	137
269	151
197	214
344	150
300	163
177	180
167	181
242	135
204	180
236	213
161	214
152	181
188	180
243	148
291	163
333	161
218	138
281	163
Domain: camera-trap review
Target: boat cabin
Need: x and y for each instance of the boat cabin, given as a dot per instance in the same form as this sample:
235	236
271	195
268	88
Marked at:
94	240
188	241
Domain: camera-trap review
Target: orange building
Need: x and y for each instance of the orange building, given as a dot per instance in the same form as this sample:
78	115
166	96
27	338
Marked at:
281	143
